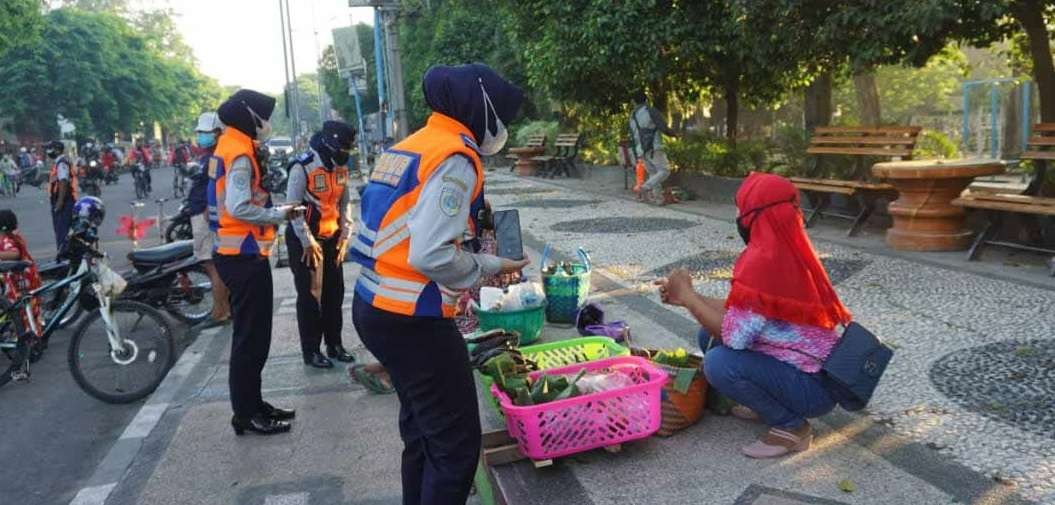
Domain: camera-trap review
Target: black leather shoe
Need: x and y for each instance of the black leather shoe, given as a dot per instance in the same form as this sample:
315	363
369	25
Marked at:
259	424
317	360
338	353
276	413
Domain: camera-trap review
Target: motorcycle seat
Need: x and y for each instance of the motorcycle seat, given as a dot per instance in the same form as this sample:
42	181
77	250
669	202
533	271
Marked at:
163	253
53	269
13	266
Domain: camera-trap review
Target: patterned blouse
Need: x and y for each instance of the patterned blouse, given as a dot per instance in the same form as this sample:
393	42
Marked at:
802	346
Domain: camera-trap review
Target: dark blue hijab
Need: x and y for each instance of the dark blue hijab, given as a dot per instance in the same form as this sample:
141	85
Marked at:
455	92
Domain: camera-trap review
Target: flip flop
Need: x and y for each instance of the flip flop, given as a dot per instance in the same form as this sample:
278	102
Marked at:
372	382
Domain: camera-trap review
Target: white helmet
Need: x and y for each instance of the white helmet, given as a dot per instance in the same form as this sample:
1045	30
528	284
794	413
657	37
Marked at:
22	150
208	121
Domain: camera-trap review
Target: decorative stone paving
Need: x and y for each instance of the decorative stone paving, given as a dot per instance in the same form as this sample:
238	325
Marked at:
622	225
554	203
1013	382
718	265
519	191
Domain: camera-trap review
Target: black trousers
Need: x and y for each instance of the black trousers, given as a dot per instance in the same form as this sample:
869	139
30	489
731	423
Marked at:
248	278
439	419
317	319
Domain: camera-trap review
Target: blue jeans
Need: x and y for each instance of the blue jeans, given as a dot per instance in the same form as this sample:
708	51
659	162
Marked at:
782	395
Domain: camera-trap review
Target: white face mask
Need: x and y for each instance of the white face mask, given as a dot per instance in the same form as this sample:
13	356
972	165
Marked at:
492	144
263	129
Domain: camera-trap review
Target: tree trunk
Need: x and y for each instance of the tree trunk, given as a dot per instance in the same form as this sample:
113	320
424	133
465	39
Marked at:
868	97
732	112
817	106
1030	14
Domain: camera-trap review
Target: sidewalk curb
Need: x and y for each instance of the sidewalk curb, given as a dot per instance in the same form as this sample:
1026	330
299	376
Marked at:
113	467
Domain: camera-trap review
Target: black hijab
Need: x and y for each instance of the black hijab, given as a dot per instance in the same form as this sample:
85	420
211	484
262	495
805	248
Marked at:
234	112
455	92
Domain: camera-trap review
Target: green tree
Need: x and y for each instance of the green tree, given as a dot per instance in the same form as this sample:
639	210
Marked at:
308	100
20	22
95	69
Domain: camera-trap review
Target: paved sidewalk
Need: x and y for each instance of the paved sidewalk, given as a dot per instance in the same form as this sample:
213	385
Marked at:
962	417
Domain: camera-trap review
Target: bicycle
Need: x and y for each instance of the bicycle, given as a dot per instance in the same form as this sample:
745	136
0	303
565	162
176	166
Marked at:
119	353
179	182
140	175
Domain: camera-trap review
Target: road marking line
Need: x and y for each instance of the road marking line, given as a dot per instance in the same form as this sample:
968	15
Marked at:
287	499
95	495
144	422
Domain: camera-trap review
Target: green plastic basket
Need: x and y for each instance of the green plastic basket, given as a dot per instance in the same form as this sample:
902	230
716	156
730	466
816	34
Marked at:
526	322
562	353
566	294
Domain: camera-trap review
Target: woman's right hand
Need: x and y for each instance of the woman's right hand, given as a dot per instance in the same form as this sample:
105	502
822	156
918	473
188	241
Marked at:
677	288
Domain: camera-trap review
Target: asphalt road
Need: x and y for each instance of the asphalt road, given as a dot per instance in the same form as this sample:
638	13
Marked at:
53	434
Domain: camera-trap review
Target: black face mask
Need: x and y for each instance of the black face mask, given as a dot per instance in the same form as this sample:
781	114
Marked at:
745	229
340	158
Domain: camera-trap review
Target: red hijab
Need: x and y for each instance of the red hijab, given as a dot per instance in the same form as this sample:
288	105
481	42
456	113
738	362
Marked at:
779	275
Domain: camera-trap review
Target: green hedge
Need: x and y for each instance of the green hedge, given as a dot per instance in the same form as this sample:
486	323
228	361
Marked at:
696	152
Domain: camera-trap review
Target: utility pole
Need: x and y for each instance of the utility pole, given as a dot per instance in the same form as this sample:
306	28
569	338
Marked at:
395	71
379	65
285	56
294	89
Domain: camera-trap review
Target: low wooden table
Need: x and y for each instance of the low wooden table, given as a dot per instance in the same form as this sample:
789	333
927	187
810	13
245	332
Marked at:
524	164
924	217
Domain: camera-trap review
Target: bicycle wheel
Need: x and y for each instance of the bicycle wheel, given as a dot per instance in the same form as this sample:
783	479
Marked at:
178	229
129	374
192	295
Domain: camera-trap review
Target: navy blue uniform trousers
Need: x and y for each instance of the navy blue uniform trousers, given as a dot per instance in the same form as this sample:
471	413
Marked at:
248	278
439	419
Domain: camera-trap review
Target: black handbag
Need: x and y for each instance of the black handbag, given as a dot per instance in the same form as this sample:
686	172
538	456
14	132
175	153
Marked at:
854	367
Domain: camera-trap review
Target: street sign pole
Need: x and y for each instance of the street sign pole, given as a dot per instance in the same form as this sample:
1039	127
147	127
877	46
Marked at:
379	64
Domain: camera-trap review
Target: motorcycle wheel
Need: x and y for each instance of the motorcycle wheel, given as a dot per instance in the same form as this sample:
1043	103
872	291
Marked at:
178	229
191	300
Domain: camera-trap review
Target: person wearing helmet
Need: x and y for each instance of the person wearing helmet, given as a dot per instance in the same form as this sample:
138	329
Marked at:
423	198
241	214
62	190
317	243
208	130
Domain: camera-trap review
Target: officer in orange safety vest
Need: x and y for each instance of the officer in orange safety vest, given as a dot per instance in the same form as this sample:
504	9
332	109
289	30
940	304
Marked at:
62	191
318	242
422	200
241	215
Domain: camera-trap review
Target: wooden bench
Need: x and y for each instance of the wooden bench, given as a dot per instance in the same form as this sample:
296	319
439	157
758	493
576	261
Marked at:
538	140
995	205
895	143
565	150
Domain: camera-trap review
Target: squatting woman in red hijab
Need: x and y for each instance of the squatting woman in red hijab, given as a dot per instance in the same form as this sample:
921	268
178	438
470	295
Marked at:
778	324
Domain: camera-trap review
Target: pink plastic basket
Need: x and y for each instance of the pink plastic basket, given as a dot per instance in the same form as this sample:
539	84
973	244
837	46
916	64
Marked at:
590	421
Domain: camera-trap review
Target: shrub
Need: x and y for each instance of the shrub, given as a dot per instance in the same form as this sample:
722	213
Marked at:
703	153
934	144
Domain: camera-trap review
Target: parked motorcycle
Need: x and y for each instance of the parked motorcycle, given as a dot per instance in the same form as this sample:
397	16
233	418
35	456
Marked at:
35	175
166	277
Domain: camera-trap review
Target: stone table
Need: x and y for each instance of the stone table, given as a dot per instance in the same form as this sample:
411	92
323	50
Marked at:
524	164
924	217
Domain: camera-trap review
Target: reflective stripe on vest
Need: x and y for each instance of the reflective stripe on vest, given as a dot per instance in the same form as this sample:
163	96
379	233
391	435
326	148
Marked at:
323	194
235	237
387	280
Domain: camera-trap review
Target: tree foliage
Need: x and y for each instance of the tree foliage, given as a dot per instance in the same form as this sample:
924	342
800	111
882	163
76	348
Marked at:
105	75
308	101
20	22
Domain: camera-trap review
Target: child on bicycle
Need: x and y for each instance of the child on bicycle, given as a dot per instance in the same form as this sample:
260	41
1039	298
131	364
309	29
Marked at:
13	248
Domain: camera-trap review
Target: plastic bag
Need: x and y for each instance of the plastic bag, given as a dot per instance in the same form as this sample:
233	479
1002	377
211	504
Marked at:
110	282
518	296
604	381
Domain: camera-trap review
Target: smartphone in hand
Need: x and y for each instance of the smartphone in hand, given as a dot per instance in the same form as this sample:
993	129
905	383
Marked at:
507	234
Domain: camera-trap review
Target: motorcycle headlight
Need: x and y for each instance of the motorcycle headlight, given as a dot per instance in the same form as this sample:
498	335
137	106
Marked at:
93	164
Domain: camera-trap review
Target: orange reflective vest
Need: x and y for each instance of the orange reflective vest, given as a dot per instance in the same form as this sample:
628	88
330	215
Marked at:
324	190
235	237
387	280
53	181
